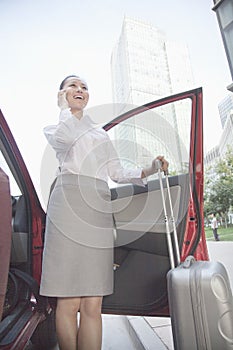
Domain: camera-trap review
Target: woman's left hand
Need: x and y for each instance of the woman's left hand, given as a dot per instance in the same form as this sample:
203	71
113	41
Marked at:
164	163
159	161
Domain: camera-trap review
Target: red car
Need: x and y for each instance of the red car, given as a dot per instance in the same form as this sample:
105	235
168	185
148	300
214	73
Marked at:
171	126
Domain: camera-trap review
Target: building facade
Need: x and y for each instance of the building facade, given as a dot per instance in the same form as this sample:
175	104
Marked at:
226	140
225	108
212	157
146	66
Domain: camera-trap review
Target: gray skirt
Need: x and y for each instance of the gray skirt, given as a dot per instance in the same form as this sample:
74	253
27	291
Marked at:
78	249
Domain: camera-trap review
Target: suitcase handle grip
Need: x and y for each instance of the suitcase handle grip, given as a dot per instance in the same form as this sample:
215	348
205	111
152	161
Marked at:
188	262
158	165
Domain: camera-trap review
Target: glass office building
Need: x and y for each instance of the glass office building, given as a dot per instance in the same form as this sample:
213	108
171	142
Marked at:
225	108
146	66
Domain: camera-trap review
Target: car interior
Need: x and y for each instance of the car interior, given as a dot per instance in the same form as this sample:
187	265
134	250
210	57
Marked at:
141	259
17	307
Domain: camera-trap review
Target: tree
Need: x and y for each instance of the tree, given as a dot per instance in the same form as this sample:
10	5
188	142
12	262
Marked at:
218	195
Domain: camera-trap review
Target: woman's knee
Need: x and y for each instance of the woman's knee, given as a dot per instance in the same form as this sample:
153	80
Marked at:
91	306
68	305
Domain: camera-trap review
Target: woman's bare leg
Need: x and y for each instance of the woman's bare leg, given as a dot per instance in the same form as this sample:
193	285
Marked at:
90	328
66	322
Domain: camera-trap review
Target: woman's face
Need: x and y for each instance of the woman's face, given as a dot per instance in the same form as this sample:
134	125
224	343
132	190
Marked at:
77	93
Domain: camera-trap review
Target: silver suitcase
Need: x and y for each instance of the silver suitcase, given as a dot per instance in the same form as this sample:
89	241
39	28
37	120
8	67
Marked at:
199	295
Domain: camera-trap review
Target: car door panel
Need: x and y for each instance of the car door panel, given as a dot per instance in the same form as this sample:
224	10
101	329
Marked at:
141	254
141	259
144	212
131	296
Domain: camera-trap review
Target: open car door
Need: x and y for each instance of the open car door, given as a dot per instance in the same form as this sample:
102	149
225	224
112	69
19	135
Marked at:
172	127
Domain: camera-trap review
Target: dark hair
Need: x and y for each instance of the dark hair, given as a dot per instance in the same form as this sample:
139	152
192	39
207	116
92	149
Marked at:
64	80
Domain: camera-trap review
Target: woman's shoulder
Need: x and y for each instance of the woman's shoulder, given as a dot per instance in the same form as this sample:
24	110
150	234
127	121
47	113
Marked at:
95	126
102	131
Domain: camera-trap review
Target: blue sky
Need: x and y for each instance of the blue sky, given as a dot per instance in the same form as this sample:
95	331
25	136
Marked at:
43	41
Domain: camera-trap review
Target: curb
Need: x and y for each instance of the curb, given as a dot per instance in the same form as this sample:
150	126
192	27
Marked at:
143	335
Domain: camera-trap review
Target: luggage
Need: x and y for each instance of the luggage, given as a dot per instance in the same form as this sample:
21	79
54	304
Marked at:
200	298
201	309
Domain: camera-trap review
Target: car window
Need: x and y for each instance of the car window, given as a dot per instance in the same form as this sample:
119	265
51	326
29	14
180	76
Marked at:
163	131
14	188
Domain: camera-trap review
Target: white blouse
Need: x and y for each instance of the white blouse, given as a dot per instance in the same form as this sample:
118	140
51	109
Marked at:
83	148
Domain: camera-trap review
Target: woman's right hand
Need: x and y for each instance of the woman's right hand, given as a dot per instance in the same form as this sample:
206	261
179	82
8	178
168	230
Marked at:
61	100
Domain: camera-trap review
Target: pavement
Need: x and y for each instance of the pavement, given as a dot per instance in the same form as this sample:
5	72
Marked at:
218	251
154	333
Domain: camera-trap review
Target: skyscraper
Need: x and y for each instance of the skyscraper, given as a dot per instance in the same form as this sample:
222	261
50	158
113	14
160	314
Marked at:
225	108
146	66
226	140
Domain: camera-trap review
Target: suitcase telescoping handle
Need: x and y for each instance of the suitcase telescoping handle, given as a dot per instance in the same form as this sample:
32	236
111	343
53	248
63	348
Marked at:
166	219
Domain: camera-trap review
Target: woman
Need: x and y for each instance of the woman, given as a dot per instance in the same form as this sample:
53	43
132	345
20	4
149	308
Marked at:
78	253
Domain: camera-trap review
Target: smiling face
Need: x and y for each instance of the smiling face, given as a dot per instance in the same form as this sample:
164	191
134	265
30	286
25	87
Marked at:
77	94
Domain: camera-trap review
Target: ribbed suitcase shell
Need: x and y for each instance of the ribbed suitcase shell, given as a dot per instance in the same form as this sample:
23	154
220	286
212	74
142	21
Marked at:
201	306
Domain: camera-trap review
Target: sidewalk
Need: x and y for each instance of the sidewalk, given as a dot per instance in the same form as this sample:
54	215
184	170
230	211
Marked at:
128	333
162	328
218	251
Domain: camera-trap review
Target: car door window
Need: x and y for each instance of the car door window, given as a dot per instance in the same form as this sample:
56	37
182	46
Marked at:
14	188
164	131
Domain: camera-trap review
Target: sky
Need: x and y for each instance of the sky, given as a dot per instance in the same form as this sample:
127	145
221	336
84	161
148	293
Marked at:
43	41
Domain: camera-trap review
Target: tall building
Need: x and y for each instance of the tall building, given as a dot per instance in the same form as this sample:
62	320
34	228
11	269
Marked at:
147	66
226	140
212	157
225	108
